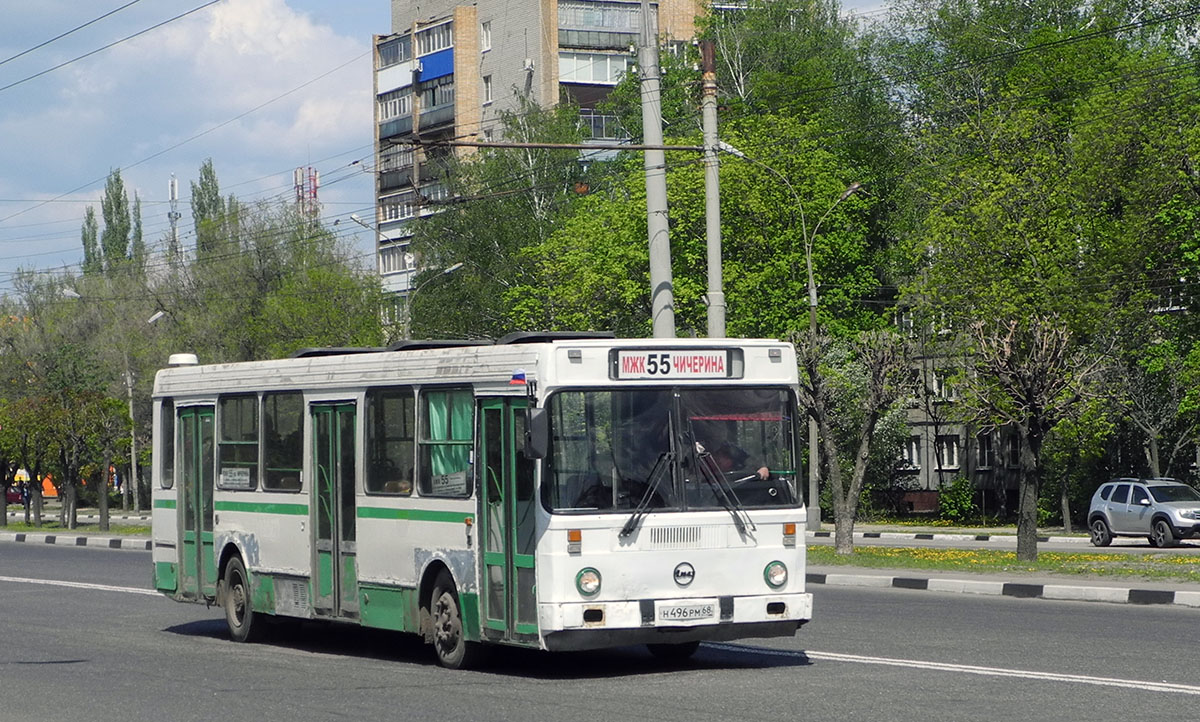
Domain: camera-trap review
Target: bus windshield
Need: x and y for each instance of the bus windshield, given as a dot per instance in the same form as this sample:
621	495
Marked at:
671	449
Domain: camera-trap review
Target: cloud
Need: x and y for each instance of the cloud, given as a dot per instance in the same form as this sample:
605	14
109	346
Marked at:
199	82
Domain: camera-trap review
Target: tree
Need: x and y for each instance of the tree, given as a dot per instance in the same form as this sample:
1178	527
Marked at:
208	210
503	202
1028	374
848	389
92	260
114	207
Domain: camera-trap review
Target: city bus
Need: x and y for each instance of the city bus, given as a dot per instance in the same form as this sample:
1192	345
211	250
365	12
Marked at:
557	491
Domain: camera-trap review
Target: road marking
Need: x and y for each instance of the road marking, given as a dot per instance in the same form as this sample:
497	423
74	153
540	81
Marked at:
80	585
971	669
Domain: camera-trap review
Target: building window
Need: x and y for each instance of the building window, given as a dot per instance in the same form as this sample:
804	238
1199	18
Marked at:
1014	451
619	17
436	95
485	36
912	453
487	89
395	104
947	451
397	208
601	126
395	158
431	40
395	51
943	386
601	68
987	451
394	259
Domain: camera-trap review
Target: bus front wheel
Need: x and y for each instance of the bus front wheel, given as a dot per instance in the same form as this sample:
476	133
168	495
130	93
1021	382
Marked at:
239	615
449	638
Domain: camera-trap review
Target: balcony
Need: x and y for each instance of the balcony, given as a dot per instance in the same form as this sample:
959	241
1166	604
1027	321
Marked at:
396	126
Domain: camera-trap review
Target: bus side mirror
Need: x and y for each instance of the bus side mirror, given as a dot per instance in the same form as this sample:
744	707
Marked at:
537	433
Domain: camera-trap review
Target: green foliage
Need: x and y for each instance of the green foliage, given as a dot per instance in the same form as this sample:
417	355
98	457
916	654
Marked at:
956	500
92	261
114	208
506	201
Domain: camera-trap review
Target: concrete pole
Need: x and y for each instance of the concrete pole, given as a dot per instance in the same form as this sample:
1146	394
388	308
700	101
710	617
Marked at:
712	194
814	455
662	294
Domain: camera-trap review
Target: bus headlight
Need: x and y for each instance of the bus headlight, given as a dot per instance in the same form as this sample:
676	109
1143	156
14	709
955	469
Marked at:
588	582
775	574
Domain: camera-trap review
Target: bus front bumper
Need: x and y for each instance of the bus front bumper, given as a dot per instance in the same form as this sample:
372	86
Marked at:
594	625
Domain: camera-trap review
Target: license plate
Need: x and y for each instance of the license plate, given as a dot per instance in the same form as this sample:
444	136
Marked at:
691	613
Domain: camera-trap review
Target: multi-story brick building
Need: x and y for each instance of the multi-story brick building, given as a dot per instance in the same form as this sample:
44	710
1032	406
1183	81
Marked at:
449	69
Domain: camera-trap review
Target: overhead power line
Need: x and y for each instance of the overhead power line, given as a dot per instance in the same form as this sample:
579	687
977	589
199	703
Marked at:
106	47
72	30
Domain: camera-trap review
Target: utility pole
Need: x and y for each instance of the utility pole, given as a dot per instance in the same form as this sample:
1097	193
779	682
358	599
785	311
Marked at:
662	294
712	193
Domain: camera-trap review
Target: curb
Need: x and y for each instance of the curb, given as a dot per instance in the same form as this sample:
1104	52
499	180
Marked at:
130	543
928	536
1065	592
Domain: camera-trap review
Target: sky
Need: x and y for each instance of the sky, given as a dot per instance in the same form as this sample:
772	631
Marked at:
261	87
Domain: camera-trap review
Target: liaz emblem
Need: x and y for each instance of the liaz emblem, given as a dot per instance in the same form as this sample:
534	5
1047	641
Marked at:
684	574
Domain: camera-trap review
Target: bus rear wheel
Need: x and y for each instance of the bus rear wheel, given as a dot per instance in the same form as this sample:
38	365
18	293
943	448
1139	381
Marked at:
673	653
449	638
239	614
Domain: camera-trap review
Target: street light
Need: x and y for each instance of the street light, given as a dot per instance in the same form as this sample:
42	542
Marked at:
814	515
408	297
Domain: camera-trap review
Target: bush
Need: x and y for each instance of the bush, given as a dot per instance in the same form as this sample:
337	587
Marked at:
956	501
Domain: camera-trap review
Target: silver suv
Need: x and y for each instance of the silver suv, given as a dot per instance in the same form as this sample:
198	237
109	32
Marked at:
1162	510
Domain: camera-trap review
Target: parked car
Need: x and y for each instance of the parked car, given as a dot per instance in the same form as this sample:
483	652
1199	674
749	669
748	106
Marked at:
12	495
1162	510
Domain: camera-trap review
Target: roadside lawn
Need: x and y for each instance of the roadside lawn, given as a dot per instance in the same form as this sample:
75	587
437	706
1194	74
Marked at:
1153	566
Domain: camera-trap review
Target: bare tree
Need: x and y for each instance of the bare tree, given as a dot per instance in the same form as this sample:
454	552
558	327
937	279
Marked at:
1029	374
882	360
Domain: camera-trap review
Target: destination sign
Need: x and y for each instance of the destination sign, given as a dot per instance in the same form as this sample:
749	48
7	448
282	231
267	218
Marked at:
673	364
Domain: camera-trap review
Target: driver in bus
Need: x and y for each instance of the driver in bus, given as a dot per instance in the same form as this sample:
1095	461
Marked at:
730	457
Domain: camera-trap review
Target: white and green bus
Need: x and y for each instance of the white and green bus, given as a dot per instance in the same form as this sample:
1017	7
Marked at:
556	491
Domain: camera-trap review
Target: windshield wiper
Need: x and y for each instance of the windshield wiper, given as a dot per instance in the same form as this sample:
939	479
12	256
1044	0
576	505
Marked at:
652	480
723	490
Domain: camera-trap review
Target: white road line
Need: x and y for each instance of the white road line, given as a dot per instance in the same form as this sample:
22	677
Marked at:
80	585
971	669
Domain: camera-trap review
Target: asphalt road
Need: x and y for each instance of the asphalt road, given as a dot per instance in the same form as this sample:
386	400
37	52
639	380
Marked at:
114	652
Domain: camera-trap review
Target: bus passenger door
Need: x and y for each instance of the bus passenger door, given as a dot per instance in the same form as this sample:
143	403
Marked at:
335	575
197	469
510	609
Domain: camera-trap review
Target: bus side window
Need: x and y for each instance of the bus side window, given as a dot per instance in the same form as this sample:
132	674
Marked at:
390	441
166	435
447	436
237	457
283	440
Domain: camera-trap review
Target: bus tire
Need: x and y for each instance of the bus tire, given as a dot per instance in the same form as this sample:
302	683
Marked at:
673	653
449	637
239	614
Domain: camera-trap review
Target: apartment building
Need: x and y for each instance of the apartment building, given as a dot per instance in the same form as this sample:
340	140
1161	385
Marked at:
448	70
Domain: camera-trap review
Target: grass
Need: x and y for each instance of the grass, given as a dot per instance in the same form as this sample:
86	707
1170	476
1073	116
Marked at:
1158	566
50	525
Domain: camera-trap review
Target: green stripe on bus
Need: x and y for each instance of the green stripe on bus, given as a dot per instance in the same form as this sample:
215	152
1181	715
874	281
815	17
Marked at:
164	503
263	507
454	517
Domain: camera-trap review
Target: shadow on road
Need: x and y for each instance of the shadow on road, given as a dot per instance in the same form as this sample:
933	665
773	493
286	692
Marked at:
351	641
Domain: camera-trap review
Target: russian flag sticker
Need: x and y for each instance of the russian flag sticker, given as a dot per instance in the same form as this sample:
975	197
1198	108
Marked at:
518	378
